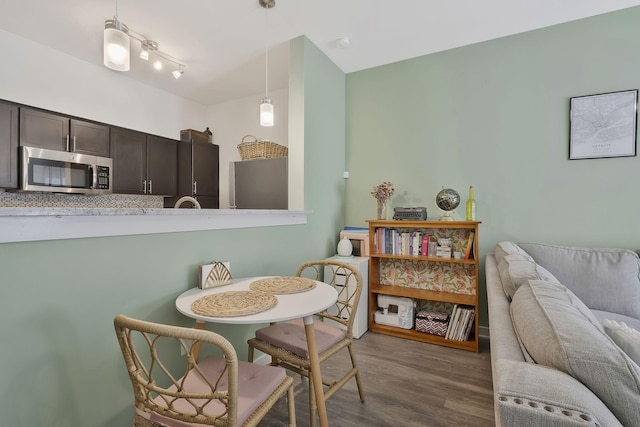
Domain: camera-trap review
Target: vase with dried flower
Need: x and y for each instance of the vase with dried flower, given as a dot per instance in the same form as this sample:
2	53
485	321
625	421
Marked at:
382	193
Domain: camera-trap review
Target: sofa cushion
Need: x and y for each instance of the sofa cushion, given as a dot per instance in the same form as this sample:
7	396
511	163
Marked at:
502	249
604	279
516	269
559	331
628	339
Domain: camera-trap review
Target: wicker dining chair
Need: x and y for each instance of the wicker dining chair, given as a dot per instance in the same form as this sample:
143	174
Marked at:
286	342
216	390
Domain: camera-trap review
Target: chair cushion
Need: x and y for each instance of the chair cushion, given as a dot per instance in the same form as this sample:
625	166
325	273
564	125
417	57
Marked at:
559	331
291	336
255	384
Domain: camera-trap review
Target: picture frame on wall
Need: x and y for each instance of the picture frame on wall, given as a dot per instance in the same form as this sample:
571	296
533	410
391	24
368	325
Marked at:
603	125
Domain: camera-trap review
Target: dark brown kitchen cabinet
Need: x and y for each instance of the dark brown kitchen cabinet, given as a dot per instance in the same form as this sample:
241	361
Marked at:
57	132
8	145
162	166
143	164
129	154
198	174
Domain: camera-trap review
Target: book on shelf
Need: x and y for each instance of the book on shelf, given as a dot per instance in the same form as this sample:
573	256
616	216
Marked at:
469	245
424	248
452	321
461	323
469	325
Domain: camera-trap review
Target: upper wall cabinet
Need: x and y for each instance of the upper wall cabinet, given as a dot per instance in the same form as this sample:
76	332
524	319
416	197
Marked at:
57	132
8	145
143	164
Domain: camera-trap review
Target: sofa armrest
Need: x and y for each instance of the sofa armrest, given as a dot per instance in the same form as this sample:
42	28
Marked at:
535	395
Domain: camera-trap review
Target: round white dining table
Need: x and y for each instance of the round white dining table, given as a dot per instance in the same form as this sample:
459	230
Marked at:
289	306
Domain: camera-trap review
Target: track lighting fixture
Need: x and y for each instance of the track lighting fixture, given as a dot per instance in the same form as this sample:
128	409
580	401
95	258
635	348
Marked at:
117	48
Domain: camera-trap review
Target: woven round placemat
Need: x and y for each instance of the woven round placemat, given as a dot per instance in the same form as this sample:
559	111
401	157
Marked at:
233	303
283	285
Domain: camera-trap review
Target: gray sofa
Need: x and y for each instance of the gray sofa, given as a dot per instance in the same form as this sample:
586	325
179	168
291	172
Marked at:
553	363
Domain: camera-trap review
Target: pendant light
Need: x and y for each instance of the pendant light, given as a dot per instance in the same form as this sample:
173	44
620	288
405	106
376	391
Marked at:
266	107
116	44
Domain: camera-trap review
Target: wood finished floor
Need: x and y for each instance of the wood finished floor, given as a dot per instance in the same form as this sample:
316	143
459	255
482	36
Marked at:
406	383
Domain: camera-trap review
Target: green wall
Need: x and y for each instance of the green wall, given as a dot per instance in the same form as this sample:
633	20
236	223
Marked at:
495	115
61	364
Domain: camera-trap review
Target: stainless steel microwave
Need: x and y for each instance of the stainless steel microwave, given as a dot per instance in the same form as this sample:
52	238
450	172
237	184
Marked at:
64	172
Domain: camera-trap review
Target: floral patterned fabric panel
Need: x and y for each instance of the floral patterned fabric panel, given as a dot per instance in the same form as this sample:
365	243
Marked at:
459	236
432	276
434	306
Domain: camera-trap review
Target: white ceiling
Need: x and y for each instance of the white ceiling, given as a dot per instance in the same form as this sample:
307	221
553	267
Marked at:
222	42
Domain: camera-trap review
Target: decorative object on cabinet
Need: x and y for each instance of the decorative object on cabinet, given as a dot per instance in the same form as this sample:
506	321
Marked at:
359	241
416	214
345	248
382	193
214	274
255	149
447	200
603	125
190	135
471	206
398	268
209	134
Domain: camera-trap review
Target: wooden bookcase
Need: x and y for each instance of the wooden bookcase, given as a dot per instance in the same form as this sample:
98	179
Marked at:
420	283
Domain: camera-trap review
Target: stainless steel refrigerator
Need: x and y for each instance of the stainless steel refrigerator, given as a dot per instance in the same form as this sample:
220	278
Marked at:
259	184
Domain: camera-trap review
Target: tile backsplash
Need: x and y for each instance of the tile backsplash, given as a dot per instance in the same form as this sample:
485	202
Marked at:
102	201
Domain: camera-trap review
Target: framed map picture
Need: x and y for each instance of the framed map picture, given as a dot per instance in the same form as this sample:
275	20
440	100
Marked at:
603	125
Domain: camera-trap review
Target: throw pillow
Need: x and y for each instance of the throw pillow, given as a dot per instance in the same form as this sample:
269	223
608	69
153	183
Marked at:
516	269
628	339
604	279
558	330
505	248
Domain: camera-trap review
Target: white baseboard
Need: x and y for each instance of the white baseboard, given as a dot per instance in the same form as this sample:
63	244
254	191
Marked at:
483	331
262	360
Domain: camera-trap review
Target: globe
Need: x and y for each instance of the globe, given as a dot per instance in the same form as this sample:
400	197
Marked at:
447	199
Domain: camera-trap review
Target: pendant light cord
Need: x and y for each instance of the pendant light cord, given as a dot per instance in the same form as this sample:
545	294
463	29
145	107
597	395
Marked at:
266	54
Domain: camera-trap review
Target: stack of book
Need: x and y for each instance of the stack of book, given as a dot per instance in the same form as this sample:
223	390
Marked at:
460	323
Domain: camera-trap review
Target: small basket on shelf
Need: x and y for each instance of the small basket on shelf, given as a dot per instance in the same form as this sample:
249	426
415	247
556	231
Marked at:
254	149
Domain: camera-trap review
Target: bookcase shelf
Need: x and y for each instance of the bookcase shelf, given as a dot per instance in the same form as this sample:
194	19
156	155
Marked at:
420	281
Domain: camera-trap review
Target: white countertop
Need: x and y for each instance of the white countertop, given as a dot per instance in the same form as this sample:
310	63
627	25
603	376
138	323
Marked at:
31	224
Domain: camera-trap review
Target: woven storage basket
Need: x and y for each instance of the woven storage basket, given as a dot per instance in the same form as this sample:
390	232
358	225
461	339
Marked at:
260	149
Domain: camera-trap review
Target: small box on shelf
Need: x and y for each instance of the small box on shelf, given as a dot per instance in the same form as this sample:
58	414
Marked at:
443	252
432	322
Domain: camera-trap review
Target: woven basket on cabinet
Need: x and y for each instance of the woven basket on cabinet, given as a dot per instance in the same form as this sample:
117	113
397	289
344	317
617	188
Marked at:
260	149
